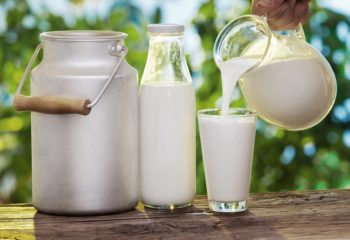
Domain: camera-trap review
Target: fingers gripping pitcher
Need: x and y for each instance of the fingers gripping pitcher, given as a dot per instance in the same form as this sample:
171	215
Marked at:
84	124
167	122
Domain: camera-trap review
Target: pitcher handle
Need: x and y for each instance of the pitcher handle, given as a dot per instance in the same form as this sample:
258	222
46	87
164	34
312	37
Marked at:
299	32
58	104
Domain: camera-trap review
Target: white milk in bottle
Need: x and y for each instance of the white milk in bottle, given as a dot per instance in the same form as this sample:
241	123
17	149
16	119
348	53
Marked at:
167	115
167	122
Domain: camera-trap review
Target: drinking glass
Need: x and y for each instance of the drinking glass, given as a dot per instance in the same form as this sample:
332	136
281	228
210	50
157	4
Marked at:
227	149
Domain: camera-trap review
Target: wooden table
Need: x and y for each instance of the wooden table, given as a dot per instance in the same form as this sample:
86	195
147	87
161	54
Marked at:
294	215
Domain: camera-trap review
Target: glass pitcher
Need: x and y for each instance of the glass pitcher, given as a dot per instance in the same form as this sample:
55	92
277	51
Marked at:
290	85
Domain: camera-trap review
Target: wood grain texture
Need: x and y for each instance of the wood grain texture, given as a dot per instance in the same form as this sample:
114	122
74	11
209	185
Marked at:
289	215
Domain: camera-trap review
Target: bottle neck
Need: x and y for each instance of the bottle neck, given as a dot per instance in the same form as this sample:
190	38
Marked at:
166	59
165	44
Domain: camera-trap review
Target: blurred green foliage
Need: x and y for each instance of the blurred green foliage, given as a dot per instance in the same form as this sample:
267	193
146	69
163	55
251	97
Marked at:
313	159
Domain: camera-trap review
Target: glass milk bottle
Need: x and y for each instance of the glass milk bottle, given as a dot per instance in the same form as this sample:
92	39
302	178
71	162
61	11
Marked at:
167	122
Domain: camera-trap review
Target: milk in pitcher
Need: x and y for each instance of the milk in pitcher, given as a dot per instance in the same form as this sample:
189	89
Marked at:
291	92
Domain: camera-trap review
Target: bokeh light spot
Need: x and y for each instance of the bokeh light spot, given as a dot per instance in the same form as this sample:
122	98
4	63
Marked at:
288	155
346	138
12	124
309	149
342	31
332	137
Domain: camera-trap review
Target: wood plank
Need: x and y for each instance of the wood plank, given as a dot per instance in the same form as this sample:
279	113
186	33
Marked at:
294	215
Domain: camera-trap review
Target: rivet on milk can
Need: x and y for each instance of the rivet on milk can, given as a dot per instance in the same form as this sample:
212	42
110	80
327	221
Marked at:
84	108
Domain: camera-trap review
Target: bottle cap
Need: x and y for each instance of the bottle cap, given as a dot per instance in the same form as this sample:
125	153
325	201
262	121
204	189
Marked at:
166	28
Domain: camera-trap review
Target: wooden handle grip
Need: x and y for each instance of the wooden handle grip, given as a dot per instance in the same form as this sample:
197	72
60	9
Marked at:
51	105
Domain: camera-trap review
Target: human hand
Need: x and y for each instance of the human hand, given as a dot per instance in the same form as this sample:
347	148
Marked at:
282	14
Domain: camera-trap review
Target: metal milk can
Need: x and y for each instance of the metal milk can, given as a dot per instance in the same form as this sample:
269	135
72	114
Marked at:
84	124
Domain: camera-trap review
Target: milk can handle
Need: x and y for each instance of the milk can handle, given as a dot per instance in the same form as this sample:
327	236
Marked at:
62	105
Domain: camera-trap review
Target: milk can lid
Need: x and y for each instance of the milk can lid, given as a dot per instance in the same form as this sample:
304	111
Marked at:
165	28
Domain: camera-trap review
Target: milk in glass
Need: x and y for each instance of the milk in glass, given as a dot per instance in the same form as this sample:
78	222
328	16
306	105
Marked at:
227	139
227	147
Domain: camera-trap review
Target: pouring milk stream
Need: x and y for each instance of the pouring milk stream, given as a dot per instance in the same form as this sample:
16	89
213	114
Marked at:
231	72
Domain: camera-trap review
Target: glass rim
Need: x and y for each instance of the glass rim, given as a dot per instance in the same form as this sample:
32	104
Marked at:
232	113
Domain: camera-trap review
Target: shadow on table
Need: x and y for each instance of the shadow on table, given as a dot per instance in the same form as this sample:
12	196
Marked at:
187	223
246	225
200	222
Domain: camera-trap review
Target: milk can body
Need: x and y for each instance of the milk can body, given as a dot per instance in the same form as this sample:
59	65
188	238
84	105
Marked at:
85	164
167	122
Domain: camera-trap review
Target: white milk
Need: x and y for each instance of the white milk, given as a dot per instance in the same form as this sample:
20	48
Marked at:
167	150
228	142
227	147
231	72
293	93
